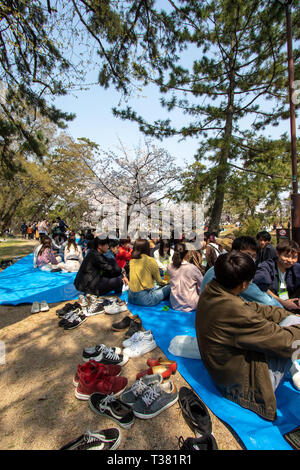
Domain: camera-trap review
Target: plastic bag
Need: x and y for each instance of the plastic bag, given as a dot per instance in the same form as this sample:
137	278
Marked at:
184	346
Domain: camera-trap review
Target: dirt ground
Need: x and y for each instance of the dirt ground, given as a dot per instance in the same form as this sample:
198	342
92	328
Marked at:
38	407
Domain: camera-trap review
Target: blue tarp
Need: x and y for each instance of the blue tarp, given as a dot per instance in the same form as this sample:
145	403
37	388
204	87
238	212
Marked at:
21	283
255	432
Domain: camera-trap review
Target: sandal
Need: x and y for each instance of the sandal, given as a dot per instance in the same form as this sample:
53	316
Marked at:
163	362
164	371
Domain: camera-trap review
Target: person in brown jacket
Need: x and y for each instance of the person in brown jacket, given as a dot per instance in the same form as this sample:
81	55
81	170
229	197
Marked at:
246	347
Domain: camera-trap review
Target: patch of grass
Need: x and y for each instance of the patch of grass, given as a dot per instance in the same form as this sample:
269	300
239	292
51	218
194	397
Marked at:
9	249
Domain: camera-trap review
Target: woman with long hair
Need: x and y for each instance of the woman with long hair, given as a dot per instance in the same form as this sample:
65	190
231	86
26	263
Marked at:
163	256
72	255
45	257
144	272
185	280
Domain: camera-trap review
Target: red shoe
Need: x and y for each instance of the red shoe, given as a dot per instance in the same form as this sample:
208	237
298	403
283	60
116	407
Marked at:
106	384
164	371
163	362
92	368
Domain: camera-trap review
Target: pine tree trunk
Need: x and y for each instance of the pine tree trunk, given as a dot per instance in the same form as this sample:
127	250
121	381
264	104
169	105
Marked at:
223	169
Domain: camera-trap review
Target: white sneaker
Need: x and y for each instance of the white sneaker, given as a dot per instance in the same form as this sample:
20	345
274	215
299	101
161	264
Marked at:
141	346
115	308
35	307
295	373
135	336
44	307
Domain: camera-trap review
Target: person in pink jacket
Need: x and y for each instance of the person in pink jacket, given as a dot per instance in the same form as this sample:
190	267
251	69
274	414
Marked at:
185	281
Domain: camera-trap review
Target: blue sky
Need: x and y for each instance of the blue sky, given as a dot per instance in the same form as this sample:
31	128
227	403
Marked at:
94	120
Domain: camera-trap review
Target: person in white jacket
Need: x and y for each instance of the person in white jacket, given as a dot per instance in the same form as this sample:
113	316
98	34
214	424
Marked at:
72	255
163	256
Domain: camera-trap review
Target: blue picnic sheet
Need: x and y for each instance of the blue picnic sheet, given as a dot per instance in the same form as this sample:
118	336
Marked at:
21	283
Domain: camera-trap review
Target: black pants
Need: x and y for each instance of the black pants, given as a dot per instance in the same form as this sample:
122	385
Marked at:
110	284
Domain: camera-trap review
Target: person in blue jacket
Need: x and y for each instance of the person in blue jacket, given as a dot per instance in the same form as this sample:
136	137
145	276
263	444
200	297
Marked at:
253	293
280	277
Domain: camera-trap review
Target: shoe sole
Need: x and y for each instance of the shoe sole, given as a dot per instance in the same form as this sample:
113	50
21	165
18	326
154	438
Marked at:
145	351
148	416
82	396
124	426
95	313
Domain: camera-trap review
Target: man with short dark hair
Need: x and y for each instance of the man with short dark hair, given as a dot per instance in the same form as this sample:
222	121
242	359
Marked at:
267	250
96	275
248	245
246	347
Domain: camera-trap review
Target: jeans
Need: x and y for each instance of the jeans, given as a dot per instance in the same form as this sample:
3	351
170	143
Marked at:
149	297
279	366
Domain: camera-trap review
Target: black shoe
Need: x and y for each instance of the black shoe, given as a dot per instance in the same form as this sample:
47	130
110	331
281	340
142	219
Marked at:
135	326
96	353
67	308
110	406
205	442
194	412
123	324
74	322
94	309
56	270
107	439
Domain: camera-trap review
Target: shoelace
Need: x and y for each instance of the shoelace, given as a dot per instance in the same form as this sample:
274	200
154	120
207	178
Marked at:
138	388
180	441
139	340
150	396
106	401
88	438
110	354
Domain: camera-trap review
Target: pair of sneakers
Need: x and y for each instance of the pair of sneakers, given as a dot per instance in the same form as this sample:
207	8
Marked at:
115	308
72	319
39	307
139	344
198	419
101	353
104	379
149	396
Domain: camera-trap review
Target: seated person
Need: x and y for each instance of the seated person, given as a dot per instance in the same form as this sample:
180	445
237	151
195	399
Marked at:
267	250
82	243
124	254
163	256
185	280
96	275
247	245
44	256
280	277
113	248
246	347
144	272
72	255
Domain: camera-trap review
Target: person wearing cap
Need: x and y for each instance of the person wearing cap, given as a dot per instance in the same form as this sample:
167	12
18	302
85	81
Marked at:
96	275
